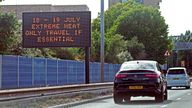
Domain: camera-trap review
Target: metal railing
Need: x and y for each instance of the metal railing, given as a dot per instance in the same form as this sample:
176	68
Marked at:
15	94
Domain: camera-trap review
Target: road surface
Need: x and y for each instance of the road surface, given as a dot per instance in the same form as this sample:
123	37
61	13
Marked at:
177	98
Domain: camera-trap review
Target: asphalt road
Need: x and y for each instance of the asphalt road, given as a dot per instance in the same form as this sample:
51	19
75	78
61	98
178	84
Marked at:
177	98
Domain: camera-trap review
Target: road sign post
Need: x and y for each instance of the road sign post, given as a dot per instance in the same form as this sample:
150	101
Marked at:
102	41
167	54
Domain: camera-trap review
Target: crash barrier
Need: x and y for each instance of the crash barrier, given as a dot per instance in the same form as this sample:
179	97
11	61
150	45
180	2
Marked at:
24	72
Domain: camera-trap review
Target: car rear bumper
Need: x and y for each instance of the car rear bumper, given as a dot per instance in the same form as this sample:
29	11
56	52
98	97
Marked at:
148	90
178	83
137	93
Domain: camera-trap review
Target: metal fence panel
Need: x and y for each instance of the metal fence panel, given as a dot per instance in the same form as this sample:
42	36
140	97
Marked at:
117	67
111	72
39	72
80	68
106	73
51	72
9	72
98	70
72	73
62	72
25	72
92	72
95	72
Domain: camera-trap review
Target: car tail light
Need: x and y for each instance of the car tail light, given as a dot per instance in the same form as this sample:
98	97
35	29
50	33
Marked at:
152	75
118	76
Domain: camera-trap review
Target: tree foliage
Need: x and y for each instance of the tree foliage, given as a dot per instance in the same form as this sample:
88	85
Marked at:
9	32
143	29
135	48
114	44
187	37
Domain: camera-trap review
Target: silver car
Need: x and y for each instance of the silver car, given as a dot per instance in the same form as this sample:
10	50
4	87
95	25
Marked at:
177	77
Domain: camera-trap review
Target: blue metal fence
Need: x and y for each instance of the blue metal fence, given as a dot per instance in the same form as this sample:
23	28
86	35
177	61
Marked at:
9	72
22	72
25	72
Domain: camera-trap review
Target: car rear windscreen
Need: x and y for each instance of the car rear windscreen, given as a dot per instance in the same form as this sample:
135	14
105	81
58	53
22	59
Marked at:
139	66
176	71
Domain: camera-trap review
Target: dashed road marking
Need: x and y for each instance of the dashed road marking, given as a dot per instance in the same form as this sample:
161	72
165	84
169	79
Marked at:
189	94
178	99
163	106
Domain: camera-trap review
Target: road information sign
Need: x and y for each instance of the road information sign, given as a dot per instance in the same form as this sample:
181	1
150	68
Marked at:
56	29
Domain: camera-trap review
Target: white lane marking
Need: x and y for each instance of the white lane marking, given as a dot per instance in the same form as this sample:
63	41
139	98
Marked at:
178	99
189	94
163	106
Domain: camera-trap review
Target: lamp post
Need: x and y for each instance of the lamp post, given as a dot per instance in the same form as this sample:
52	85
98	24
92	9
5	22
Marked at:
102	41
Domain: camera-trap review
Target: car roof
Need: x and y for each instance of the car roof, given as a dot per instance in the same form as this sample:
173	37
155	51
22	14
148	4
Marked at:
142	61
172	68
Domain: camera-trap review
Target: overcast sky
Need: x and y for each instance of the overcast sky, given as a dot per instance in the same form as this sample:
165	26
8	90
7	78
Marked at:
176	12
177	15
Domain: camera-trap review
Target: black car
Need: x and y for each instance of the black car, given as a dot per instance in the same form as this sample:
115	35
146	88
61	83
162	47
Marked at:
139	78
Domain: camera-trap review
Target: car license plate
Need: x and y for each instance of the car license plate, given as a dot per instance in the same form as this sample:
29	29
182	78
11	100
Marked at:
135	87
175	78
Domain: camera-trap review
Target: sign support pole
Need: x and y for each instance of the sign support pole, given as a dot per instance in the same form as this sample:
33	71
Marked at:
102	41
87	57
167	54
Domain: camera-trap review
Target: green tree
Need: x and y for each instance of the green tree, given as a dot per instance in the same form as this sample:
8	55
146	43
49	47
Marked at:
95	45
187	37
143	29
9	33
114	12
114	44
147	24
136	49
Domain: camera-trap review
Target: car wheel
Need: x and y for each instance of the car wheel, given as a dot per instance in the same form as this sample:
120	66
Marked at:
159	97
127	98
117	98
187	87
165	95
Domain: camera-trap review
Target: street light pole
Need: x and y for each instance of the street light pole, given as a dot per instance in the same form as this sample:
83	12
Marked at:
102	41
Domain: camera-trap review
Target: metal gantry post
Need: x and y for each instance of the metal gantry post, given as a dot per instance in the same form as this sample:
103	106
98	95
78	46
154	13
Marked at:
1	70
33	71
46	73
87	73
67	73
18	72
57	72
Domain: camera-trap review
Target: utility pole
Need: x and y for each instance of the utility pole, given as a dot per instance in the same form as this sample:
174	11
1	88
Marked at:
102	41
